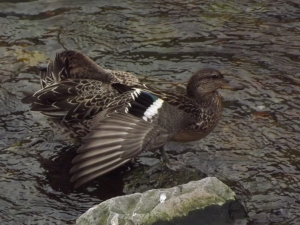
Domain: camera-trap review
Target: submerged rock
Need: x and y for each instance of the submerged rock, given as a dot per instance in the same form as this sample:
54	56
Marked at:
207	201
145	178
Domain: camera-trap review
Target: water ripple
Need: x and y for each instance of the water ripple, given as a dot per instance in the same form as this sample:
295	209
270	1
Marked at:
254	149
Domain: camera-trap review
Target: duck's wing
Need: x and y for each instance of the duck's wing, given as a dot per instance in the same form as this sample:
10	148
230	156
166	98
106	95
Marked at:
125	78
74	87
111	143
180	101
48	75
71	99
145	124
70	64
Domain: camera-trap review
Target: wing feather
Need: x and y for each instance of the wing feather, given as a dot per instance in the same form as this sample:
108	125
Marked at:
104	150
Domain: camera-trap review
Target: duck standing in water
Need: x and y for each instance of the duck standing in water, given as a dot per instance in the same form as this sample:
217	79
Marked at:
126	118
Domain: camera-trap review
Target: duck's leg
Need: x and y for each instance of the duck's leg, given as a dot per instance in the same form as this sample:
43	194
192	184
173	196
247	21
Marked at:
170	163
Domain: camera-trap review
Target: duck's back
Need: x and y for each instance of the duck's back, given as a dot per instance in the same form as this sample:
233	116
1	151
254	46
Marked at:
74	89
123	77
72	64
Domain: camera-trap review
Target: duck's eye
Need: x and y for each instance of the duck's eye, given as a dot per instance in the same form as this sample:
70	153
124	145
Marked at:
217	76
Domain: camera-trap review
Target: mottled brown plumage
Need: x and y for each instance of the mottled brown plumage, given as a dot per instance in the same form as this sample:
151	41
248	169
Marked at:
74	89
117	117
127	127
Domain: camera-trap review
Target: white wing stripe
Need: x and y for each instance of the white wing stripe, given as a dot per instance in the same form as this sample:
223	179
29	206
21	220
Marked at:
153	109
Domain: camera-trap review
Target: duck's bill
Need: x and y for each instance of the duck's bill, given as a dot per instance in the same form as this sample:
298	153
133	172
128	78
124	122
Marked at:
230	85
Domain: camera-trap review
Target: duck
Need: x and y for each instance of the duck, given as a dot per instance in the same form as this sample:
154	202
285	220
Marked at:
73	89
143	118
116	117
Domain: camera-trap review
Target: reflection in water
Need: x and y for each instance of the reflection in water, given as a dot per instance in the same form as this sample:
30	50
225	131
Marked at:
255	148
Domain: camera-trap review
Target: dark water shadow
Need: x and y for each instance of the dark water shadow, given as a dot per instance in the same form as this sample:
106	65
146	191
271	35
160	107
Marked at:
58	177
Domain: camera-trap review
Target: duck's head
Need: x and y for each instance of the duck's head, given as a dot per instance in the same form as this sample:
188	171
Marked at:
206	81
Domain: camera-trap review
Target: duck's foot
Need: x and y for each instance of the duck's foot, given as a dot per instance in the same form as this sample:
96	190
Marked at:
172	164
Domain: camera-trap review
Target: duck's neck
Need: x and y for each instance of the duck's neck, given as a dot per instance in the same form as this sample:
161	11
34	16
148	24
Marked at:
213	106
211	100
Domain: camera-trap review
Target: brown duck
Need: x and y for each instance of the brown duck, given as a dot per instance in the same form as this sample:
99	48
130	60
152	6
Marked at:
118	117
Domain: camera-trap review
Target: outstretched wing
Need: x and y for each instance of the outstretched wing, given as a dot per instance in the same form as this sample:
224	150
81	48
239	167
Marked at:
113	142
144	124
74	99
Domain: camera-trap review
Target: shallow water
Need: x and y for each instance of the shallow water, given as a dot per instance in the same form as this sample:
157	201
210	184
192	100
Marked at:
255	148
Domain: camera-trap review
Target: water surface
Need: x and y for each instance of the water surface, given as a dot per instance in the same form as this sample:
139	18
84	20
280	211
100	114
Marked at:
255	148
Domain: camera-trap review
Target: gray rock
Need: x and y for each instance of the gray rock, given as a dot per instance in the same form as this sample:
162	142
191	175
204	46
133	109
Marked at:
207	201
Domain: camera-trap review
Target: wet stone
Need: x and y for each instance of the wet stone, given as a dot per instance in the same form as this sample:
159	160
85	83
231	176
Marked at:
207	201
144	178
